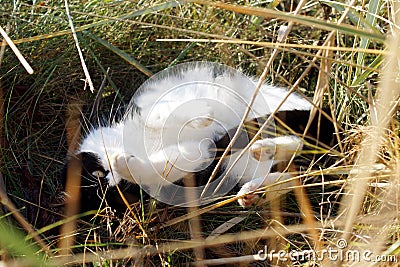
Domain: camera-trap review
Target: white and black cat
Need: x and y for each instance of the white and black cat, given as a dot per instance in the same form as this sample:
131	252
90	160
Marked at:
178	122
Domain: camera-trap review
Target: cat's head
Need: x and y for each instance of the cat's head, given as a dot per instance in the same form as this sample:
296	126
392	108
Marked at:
93	170
95	190
96	151
93	180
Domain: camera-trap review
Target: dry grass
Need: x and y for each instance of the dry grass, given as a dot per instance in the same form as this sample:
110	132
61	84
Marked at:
339	62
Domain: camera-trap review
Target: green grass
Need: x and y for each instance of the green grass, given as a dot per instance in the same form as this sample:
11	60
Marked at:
126	41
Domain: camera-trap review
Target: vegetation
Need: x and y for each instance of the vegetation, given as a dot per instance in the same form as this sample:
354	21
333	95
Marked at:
341	54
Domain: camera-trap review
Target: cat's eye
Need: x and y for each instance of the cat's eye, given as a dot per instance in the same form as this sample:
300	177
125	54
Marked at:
98	174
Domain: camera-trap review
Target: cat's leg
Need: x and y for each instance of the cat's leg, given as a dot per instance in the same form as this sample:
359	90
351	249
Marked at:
134	169
248	198
270	149
172	163
278	148
167	165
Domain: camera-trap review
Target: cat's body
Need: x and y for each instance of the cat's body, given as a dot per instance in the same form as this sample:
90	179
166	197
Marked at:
175	122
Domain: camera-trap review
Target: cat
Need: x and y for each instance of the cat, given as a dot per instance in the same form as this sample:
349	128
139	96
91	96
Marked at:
174	127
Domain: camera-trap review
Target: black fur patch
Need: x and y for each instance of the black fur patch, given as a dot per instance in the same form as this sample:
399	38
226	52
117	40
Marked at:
95	190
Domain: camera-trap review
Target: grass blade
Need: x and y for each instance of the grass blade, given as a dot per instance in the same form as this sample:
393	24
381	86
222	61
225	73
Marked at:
373	9
142	12
120	53
301	19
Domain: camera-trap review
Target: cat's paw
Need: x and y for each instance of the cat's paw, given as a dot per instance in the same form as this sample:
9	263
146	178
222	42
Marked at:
263	150
199	114
119	164
248	199
199	123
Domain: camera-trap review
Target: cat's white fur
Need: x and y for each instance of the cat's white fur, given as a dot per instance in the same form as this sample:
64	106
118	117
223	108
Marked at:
179	117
